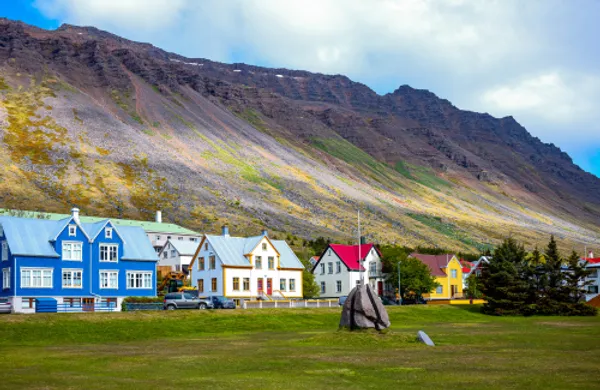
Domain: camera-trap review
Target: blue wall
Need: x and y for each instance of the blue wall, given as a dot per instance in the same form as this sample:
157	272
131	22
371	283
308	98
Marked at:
7	264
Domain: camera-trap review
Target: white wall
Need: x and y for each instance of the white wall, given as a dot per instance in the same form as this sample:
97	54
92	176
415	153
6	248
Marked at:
595	282
160	239
173	261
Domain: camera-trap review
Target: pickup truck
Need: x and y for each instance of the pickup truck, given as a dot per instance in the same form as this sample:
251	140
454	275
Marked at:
185	300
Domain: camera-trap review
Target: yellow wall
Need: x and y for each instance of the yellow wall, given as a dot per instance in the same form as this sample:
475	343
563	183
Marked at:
447	281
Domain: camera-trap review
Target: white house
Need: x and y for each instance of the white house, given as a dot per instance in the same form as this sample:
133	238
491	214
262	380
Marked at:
177	254
593	265
246	267
475	269
337	271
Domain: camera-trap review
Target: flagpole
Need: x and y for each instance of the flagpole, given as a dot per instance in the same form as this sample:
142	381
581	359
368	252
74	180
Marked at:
360	266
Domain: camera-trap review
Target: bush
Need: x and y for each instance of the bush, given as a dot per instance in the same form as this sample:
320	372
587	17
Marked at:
140	300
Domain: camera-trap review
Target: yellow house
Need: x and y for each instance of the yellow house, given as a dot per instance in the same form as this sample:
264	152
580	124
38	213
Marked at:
447	272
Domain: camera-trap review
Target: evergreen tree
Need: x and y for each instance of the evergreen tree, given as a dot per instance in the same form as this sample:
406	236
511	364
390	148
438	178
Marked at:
473	287
551	291
503	281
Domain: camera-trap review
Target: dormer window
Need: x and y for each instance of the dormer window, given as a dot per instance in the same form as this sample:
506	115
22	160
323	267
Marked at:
108	232
72	230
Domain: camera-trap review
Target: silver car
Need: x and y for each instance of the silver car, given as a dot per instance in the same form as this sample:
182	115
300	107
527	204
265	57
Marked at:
184	300
5	306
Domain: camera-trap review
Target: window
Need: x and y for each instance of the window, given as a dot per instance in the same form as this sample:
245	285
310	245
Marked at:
71	278
72	230
206	246
108	232
322	268
292	284
109	279
177	268
322	287
213	284
338	286
31	277
213	262
72	302
258	262
6	278
329	252
282	284
236	284
165	254
200	263
439	290
180	238
264	246
592	289
139	280
453	273
338	267
330	267
173	253
246	284
373	268
358	283
72	251
593	274
271	262
168	237
4	251
201	285
157	238
109	252
192	239
28	303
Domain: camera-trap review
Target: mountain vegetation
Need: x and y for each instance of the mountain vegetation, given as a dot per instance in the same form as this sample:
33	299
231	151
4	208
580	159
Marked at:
122	129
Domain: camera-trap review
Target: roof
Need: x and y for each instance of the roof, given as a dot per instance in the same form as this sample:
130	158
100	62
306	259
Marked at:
33	237
466	266
148	226
185	248
231	250
435	262
592	260
349	254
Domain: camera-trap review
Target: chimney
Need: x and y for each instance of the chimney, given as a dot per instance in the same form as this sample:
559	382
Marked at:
591	255
225	231
75	214
265	232
363	240
158	216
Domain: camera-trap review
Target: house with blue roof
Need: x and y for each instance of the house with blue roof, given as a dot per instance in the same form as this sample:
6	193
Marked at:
246	267
77	264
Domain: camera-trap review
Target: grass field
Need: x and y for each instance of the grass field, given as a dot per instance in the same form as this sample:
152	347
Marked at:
298	348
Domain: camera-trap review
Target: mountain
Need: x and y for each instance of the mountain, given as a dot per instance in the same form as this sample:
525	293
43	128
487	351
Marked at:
121	128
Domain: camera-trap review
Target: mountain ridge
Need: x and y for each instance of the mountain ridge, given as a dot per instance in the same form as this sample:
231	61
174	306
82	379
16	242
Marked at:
428	171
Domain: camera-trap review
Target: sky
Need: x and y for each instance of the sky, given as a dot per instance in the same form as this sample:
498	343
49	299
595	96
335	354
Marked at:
537	60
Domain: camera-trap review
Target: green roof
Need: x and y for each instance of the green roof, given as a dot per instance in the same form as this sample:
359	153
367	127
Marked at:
148	226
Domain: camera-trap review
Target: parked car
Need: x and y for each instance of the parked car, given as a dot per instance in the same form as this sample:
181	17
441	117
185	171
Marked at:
342	300
5	306
220	302
184	300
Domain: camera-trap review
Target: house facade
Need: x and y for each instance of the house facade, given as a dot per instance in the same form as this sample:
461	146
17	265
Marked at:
474	269
447	271
246	268
593	287
177	254
338	269
74	263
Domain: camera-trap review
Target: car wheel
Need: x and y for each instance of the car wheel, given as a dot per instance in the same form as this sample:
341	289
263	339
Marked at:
202	306
171	307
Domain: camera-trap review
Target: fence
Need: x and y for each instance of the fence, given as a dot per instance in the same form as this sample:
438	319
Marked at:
288	304
78	308
142	306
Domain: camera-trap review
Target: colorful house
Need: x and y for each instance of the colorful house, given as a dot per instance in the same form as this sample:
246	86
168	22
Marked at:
474	269
447	271
338	269
177	254
593	265
246	267
75	263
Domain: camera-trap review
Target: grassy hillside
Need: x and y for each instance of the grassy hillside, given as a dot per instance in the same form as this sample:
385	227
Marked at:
301	348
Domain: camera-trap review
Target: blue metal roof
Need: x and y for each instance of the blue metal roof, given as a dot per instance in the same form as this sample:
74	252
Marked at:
33	237
231	250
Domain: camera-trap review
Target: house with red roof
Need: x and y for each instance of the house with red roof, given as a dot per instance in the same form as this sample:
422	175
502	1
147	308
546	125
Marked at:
447	271
593	265
337	271
475	268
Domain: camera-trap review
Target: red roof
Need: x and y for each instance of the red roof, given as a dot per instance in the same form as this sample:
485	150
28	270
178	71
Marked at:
592	260
466	266
434	262
349	254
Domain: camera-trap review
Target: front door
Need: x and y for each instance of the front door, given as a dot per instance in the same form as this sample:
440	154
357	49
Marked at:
259	286
88	304
380	288
453	290
269	286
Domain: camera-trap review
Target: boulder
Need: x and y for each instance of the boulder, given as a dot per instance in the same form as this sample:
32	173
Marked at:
363	309
422	337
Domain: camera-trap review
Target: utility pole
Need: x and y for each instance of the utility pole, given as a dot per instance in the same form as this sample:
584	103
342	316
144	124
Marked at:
399	285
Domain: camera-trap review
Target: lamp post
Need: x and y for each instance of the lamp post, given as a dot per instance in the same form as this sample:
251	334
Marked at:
399	290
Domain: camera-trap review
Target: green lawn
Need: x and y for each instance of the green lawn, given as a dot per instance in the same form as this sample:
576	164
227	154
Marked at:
296	348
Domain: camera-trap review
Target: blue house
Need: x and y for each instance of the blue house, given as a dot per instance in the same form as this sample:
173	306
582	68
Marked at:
78	264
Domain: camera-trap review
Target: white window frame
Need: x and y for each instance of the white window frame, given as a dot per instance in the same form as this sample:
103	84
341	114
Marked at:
322	268
108	232
292	284
258	259
338	286
284	284
72	250
323	287
4	251
6	278
338	267
142	278
439	290
72	271
72	230
453	273
108	273
42	271
109	248
330	268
